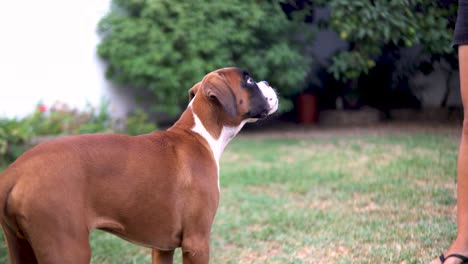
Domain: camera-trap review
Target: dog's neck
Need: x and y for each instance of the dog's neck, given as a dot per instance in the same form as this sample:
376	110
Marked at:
217	144
204	121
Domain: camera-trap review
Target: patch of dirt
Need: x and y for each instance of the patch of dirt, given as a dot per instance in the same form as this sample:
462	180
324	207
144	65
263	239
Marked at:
273	248
306	253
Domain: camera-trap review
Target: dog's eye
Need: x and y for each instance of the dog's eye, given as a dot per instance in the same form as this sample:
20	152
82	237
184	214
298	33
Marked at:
250	80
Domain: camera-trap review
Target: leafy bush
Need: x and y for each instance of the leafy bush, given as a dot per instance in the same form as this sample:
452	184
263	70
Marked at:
165	46
15	134
94	121
61	119
369	26
137	123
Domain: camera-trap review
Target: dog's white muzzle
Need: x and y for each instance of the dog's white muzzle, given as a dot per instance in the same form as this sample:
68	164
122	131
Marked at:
270	96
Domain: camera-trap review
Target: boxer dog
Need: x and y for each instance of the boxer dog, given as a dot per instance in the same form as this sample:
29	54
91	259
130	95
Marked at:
158	190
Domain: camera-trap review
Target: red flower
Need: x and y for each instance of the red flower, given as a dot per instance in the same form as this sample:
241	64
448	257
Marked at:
42	108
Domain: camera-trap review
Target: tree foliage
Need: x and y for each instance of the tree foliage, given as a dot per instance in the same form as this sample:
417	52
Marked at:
369	26
165	47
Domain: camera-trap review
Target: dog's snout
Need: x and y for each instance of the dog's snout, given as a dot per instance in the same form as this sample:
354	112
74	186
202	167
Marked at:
271	98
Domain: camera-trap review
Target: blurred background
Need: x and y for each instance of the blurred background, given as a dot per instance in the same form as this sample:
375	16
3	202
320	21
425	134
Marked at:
370	100
374	58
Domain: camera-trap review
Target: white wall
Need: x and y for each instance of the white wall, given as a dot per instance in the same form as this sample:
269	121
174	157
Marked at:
48	54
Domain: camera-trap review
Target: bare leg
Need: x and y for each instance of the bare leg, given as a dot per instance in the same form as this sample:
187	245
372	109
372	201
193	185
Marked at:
460	245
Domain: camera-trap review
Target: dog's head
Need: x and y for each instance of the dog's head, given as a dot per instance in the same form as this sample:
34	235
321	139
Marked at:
236	95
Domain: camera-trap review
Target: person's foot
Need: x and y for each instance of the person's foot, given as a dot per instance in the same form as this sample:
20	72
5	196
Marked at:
450	259
453	250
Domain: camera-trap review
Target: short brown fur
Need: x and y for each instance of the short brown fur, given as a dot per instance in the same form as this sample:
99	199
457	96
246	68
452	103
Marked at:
158	190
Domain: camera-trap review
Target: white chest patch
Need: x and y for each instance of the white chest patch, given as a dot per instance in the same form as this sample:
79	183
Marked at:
217	145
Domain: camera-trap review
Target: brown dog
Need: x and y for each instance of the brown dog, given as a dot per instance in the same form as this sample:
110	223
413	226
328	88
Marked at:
158	190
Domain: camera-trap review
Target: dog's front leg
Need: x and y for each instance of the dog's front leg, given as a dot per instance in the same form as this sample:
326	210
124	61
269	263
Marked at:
199	257
196	250
162	257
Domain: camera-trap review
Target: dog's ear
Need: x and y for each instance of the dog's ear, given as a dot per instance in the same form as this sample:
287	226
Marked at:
218	89
193	91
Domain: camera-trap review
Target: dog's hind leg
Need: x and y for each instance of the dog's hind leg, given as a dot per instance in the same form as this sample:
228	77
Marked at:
57	240
162	257
61	246
19	249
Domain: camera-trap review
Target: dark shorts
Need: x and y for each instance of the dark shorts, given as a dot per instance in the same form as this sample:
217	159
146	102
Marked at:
460	35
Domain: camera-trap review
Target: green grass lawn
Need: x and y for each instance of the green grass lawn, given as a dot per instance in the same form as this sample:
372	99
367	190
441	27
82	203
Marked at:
338	199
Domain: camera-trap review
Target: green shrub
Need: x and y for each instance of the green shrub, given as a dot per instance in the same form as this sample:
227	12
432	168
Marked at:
371	26
164	47
60	119
14	134
137	123
45	124
94	121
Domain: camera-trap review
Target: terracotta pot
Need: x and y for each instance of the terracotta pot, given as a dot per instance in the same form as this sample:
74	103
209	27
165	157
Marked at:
307	108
